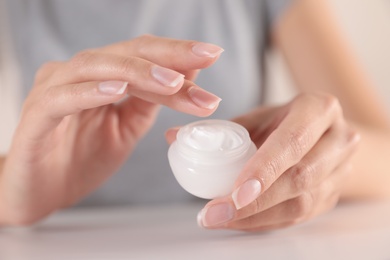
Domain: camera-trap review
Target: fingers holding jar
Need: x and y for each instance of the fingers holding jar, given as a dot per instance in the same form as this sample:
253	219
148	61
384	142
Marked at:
303	207
300	165
208	155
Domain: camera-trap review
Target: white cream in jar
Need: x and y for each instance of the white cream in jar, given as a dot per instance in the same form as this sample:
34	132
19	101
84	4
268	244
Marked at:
208	156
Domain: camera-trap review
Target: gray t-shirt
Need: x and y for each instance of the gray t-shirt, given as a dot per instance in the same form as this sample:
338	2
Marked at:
44	30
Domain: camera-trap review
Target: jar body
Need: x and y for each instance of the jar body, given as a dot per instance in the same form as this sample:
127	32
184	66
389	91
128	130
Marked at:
207	174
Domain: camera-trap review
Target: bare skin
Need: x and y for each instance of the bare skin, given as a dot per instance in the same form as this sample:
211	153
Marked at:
74	133
320	147
308	157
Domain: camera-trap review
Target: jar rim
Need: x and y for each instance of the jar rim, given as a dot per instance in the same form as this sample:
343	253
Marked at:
186	150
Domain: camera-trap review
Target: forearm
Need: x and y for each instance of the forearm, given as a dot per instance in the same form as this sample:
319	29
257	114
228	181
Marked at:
321	60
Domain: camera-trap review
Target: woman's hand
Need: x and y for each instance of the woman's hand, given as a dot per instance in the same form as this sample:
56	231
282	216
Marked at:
298	171
78	124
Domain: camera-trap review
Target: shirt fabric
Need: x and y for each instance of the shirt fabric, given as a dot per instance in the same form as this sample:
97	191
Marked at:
44	30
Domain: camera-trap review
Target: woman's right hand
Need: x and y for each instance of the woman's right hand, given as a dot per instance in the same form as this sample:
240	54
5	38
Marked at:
78	124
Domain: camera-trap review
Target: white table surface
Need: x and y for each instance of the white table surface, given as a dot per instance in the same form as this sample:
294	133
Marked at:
351	231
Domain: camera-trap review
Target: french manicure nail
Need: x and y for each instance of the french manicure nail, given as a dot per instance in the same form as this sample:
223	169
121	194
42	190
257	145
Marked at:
215	215
199	219
167	77
202	98
112	87
248	192
206	50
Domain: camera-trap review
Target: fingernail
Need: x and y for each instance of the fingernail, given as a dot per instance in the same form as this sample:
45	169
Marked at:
199	219
167	77
246	193
215	215
206	50
202	98
112	87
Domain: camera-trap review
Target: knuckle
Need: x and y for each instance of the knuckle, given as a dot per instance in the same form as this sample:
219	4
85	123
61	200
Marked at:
47	101
145	37
142	43
327	102
305	98
45	70
273	167
331	104
302	177
352	137
299	142
40	104
301	97
82	58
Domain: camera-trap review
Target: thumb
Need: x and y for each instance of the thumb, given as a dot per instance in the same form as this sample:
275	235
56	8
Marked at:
170	134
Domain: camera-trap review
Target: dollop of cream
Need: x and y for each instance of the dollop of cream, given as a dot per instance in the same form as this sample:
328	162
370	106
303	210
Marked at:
210	138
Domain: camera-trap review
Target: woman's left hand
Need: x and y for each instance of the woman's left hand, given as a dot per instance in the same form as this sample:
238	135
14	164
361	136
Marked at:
298	171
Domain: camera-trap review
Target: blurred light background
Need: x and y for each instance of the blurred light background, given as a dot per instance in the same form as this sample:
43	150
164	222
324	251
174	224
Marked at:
366	25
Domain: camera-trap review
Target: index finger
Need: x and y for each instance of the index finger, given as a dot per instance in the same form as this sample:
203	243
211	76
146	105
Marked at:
180	55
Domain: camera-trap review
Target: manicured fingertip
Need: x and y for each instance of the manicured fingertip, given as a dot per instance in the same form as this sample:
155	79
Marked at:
248	192
112	87
203	98
217	214
167	77
199	219
206	50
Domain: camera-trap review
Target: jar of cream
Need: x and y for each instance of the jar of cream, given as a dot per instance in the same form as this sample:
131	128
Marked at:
207	156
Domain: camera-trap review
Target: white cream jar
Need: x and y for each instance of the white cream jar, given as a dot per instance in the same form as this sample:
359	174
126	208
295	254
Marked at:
208	156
